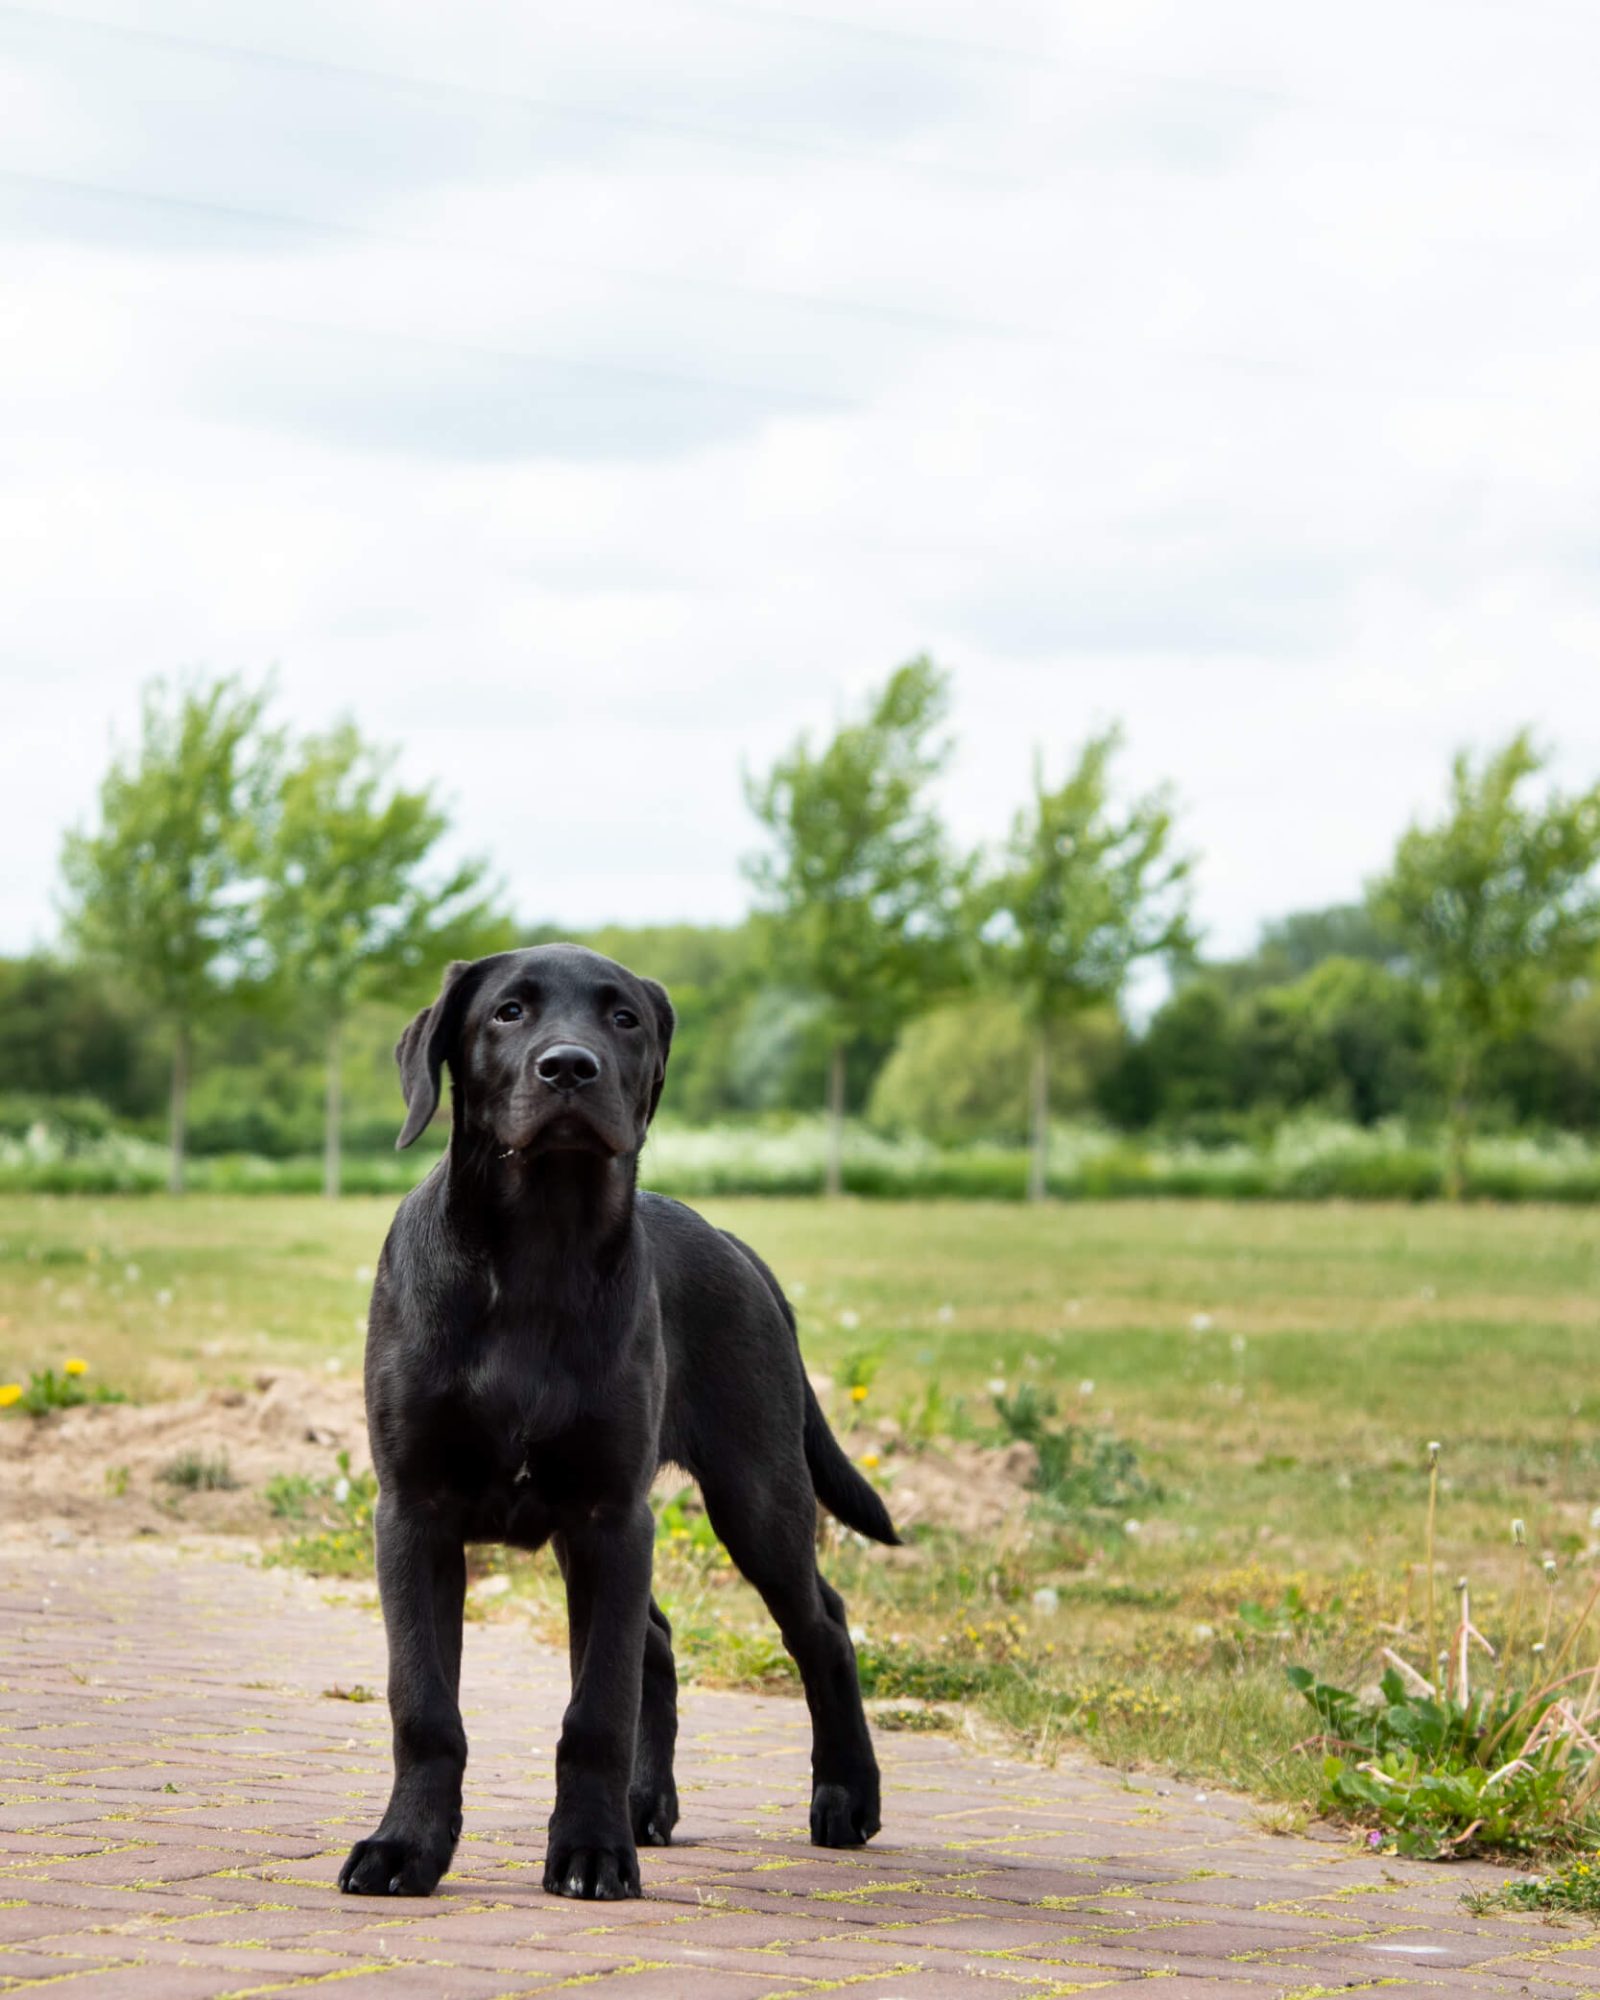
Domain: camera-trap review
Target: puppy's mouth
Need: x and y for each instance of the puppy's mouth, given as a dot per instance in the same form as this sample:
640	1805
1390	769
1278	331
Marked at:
565	1129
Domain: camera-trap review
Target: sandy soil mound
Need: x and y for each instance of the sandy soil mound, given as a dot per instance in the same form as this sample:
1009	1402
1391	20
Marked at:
96	1470
975	1489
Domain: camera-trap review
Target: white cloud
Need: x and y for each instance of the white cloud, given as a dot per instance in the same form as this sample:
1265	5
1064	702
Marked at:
588	403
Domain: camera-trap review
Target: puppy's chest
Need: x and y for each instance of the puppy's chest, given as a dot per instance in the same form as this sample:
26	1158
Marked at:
519	1401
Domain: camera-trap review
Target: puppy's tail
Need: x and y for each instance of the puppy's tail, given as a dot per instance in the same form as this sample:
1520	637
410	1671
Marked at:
840	1487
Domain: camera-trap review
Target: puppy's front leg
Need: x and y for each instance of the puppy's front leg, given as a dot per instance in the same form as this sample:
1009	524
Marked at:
422	1581
606	1558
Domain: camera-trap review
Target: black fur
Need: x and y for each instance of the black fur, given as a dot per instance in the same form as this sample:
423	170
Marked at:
541	1337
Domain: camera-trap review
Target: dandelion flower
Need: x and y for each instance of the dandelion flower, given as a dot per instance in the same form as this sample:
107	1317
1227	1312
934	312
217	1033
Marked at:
870	1461
10	1392
859	1393
74	1366
1433	1451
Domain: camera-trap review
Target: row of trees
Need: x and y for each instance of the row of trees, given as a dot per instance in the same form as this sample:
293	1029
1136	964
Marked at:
1486	910
875	913
237	873
232	864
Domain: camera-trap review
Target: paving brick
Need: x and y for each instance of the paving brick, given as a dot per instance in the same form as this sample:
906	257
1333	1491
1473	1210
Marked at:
176	1796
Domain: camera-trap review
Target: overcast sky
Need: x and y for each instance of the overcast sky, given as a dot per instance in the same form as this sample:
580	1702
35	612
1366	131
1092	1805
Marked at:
590	398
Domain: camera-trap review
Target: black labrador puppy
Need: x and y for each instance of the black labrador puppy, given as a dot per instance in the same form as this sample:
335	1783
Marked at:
541	1338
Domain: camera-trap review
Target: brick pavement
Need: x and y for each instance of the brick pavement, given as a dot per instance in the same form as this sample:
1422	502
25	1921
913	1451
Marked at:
178	1790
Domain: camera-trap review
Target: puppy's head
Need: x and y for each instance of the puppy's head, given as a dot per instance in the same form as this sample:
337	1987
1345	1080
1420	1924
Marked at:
555	1049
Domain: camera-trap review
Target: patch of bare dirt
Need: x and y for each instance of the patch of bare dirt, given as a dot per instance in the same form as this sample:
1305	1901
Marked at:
96	1470
975	1489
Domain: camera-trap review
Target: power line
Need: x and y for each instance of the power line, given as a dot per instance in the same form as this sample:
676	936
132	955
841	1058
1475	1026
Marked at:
1064	345
551	108
1035	59
1264	95
201	208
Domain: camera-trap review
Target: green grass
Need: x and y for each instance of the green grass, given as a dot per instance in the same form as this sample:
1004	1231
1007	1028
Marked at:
1276	1371
198	1472
1572	1890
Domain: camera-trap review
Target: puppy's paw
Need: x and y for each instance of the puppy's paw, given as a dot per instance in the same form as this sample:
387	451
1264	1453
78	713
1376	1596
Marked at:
596	1874
380	1867
844	1815
654	1812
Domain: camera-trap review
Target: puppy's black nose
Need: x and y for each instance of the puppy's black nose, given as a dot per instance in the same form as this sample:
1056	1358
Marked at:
567	1066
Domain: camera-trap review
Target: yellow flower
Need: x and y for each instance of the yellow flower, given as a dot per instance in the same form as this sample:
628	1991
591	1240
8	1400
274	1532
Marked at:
10	1392
74	1366
859	1393
870	1461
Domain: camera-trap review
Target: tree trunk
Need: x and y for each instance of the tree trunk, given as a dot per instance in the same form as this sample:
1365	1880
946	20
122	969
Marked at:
178	1111
1039	1116
835	1180
1460	1137
330	1117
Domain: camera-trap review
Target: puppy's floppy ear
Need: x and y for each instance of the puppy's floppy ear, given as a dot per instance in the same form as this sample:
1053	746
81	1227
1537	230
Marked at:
666	1021
422	1050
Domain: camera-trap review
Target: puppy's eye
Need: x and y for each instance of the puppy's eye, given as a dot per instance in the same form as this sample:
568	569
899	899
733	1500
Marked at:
511	1011
625	1017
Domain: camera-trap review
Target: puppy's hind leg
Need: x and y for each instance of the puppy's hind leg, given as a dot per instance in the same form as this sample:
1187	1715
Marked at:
653	1795
768	1527
652	1792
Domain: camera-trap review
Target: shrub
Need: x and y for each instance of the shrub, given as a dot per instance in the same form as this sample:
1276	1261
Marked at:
1305	1159
195	1473
1080	1471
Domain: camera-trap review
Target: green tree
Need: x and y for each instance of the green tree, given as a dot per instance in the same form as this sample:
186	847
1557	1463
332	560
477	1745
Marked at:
348	905
931	1085
1494	904
158	891
859	884
65	1031
1351	1036
1081	892
1304	939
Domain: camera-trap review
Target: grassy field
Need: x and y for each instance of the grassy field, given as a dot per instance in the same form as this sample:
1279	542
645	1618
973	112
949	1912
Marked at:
1277	1372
